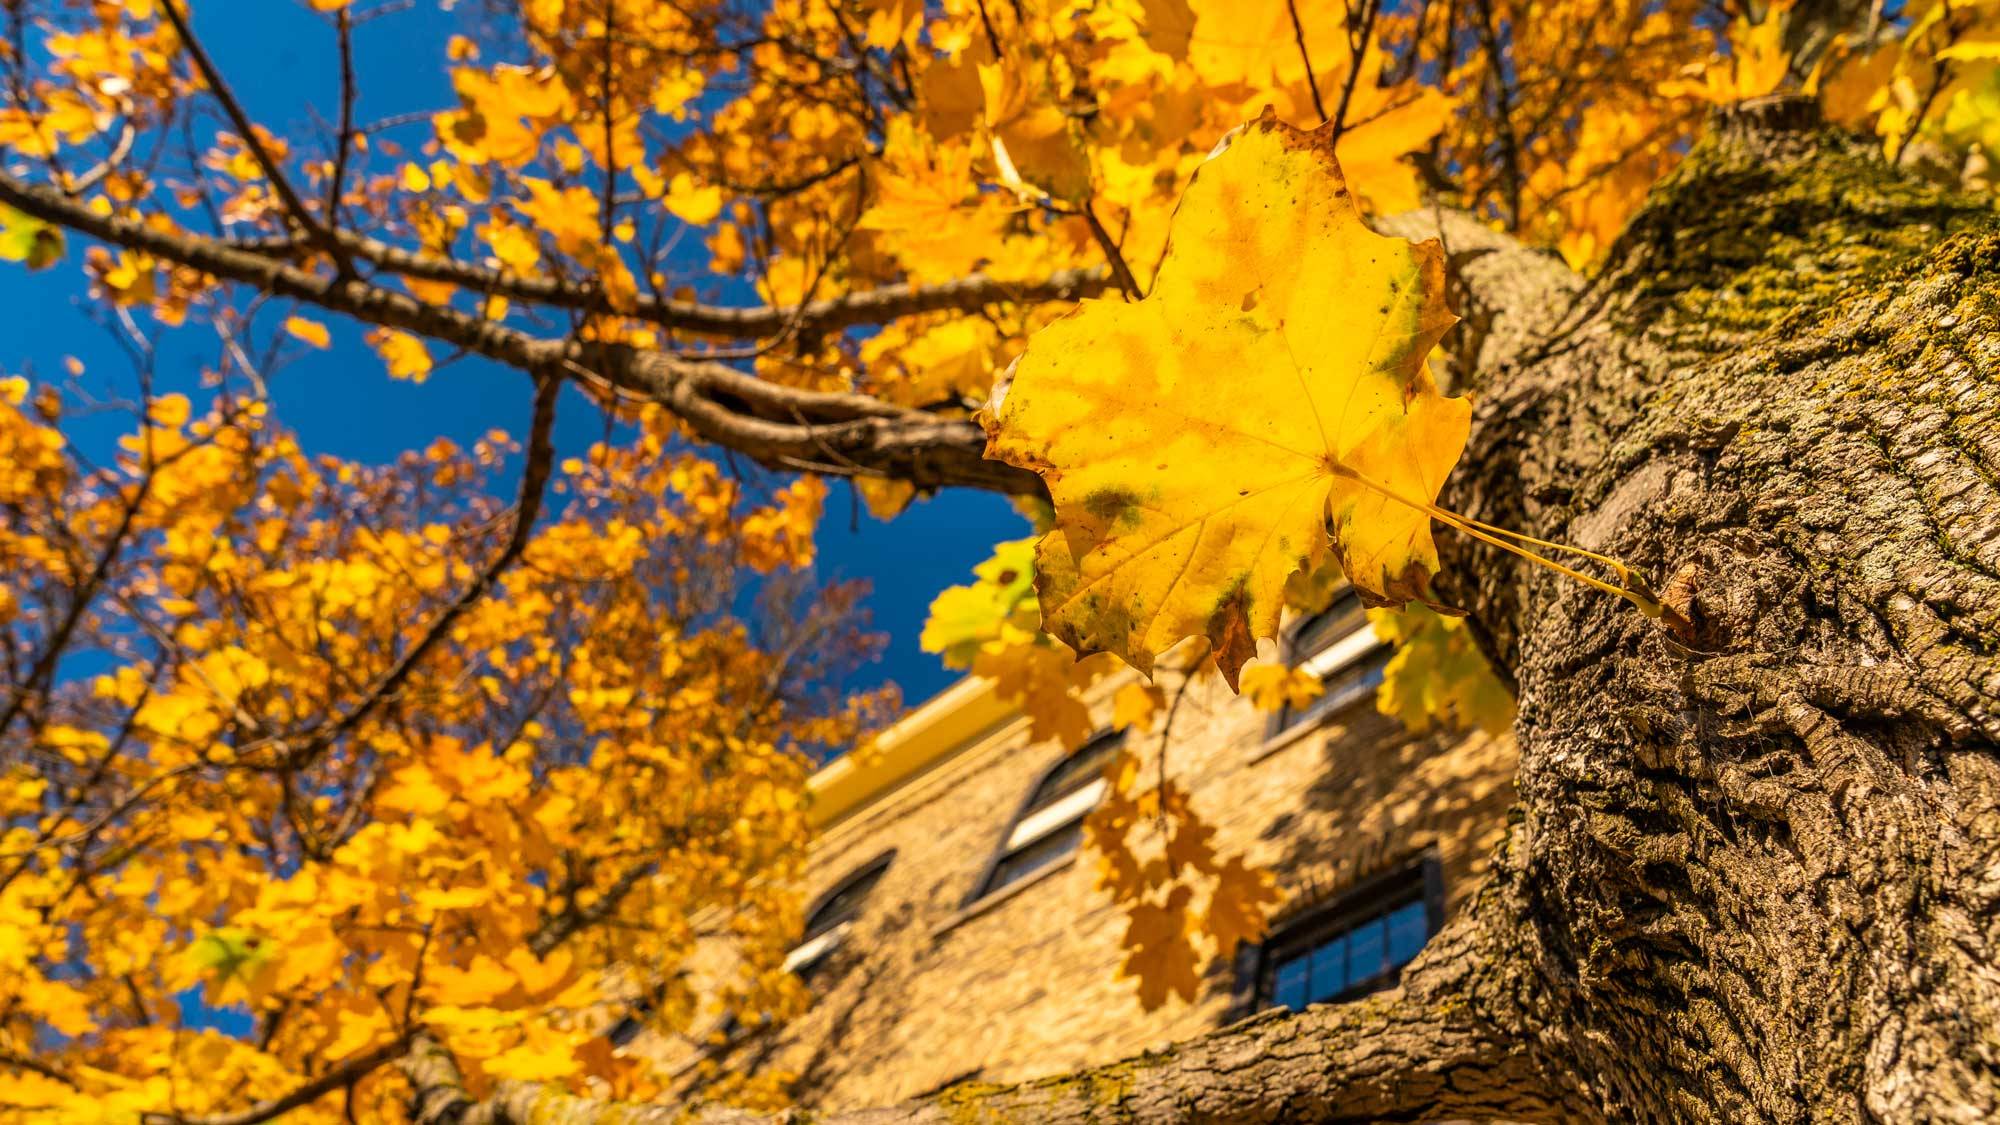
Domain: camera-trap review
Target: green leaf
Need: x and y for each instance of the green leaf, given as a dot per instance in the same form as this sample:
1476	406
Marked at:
24	238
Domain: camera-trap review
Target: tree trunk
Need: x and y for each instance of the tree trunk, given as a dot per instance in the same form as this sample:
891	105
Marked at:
1755	875
1756	870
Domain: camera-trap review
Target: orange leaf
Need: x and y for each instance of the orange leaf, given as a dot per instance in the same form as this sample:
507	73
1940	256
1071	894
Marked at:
311	331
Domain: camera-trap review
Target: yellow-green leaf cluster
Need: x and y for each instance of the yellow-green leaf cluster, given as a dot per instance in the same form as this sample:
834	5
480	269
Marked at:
1438	674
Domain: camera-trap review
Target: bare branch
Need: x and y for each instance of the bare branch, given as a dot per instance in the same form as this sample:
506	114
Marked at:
832	314
1312	82
1358	40
36	1066
212	77
781	427
1119	270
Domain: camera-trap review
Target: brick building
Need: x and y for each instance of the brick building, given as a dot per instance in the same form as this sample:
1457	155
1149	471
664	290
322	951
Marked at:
954	934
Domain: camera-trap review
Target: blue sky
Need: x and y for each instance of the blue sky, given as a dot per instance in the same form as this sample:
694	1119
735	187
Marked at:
279	57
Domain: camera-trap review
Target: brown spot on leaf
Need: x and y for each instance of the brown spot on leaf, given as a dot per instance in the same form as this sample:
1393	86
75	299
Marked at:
1229	633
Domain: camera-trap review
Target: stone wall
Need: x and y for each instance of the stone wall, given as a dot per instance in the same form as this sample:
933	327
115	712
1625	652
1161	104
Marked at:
926	989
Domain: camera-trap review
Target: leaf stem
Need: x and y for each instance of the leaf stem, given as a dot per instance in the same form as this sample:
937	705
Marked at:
1631	585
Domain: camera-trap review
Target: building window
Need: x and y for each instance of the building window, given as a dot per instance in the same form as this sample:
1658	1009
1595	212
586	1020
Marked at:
829	920
827	924
1355	945
1049	827
631	1023
1340	648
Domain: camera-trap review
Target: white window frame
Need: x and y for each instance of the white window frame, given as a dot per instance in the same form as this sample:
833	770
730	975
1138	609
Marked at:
1053	818
812	949
1343	653
1350	649
1059	815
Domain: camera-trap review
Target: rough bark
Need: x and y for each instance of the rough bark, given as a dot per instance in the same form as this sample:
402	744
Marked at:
1427	1051
1757	869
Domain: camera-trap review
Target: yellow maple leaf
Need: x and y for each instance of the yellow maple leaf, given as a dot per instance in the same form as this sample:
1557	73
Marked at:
569	215
1852	83
405	354
1190	846
1135	704
1042	677
1386	126
1238	907
311	331
232	957
691	203
483	981
1160	954
544	1055
963	618
1273	687
1196	443
1438	673
1757	64
1254	42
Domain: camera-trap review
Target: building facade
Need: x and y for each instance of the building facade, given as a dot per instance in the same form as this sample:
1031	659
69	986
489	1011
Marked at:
957	931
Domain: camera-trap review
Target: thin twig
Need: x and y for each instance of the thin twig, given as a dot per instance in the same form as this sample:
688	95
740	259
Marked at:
294	206
1312	83
1119	270
534	481
1357	49
344	143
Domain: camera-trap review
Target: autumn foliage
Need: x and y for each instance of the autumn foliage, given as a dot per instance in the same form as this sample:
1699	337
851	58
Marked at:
489	747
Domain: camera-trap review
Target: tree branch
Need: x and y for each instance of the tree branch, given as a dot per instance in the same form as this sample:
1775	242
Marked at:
535	474
36	1066
781	427
1443	1045
437	1088
557	928
212	78
831	314
355	1068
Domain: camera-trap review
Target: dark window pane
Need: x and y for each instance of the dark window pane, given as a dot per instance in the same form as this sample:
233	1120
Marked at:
1290	991
1329	969
1343	686
1352	946
1365	952
845	903
1030	858
1340	688
633	1022
624	1031
1409	927
1069	776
